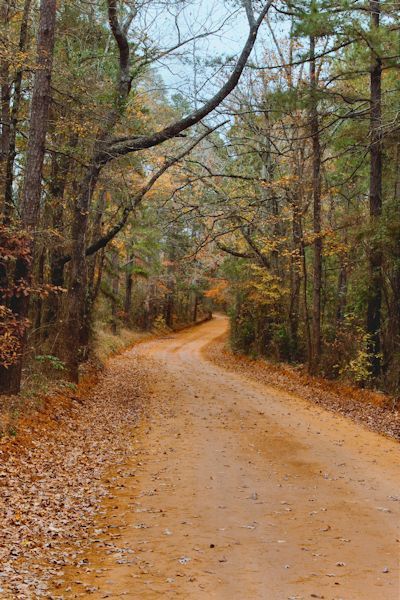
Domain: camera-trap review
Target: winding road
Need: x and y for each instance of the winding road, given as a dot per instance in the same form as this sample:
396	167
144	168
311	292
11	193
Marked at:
238	491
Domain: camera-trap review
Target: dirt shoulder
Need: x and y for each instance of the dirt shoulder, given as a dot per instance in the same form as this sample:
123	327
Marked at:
372	409
51	482
53	470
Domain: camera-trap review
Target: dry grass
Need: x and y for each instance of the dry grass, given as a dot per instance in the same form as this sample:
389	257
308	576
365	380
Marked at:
107	344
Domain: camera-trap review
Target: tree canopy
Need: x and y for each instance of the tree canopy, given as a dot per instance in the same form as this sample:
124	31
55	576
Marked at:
267	185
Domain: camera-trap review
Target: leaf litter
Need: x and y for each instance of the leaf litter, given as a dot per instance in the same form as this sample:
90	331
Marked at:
51	487
374	410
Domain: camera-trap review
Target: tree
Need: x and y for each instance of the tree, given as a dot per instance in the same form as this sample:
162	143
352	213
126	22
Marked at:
31	193
284	203
316	345
375	197
107	148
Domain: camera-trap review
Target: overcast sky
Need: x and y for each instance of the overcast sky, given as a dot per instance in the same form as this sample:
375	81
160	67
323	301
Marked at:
179	74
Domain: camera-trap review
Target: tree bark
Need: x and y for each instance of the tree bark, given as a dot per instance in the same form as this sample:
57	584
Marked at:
96	234
169	304
16	101
31	194
341	295
195	307
71	334
92	287
396	284
37	308
60	167
115	291
375	204
316	194
295	280
128	290
5	99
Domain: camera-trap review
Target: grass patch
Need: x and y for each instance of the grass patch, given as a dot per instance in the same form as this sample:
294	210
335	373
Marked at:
106	343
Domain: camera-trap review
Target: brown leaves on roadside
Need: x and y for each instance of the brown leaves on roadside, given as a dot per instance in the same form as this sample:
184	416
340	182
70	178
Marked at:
372	409
51	489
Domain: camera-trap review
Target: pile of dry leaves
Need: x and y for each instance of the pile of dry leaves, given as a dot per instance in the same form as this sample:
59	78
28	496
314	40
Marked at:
51	477
372	409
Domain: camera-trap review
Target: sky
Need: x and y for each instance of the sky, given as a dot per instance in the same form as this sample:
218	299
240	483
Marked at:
178	73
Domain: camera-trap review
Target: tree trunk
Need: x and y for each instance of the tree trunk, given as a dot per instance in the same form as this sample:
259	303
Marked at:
60	167
128	290
195	307
149	303
128	297
396	286
71	335
316	193
375	205
31	194
38	303
95	235
295	280
305	301
5	99
92	287
115	291
169	304
341	295
97	281
16	101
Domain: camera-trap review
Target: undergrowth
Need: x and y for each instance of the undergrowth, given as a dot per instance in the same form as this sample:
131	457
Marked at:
44	377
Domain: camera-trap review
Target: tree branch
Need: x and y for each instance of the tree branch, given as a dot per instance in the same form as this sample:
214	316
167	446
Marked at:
138	197
234	252
172	130
119	36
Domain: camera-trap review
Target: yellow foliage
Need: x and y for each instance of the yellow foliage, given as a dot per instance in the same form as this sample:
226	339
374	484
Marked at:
218	291
265	289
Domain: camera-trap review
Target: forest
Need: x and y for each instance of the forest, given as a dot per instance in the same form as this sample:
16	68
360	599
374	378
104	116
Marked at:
199	299
262	181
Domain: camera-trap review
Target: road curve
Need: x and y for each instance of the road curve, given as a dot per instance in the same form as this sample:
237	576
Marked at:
237	491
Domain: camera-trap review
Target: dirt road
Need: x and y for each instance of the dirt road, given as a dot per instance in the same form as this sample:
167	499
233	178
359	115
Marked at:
237	491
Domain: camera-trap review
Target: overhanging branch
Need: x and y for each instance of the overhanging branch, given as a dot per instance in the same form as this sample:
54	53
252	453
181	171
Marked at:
138	197
142	142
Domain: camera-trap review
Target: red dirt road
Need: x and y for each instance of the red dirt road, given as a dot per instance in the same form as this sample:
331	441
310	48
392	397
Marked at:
237	491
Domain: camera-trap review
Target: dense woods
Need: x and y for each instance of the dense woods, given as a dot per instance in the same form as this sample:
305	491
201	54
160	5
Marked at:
268	185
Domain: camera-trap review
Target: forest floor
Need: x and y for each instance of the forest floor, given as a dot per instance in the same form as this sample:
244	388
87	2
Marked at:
181	478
